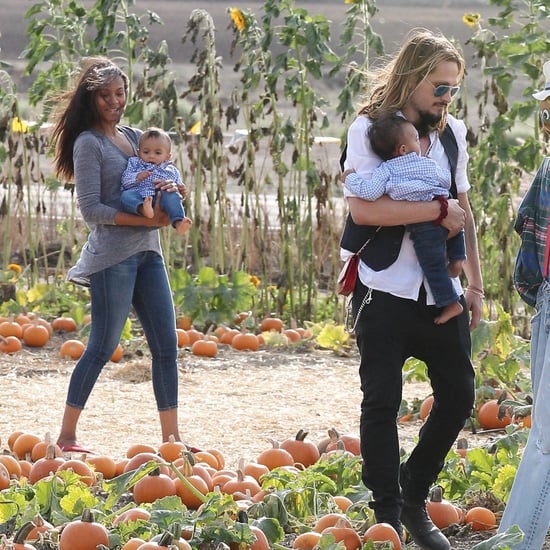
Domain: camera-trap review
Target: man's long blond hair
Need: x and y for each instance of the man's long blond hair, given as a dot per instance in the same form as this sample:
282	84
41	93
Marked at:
392	85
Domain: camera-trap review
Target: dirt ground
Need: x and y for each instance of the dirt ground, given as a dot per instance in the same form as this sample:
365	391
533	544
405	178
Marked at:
235	402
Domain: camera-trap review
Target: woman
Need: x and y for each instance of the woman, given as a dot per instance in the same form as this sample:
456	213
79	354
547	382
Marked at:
122	260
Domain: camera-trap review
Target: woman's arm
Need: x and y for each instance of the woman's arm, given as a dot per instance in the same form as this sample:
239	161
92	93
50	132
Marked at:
160	219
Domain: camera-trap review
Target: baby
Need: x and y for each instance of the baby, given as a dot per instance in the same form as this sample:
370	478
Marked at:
138	180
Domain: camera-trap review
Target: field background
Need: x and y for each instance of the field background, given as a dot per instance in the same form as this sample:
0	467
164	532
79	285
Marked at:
394	19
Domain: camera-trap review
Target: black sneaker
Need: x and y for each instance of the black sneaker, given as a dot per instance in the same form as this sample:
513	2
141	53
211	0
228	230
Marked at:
424	533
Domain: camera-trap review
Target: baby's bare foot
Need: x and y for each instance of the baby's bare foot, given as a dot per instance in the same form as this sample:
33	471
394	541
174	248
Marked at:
147	208
448	312
182	226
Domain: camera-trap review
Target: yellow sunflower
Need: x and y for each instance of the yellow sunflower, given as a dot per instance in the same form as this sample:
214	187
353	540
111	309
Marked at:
238	18
471	19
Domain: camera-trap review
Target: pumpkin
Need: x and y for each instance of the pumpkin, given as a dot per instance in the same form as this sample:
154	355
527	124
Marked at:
73	349
141	458
183	322
271	323
11	328
481	518
137	448
171	450
352	443
35	335
228	335
261	542
4	477
342	502
205	348
275	457
79	467
64	324
12	437
39	450
187	490
132	515
153	486
38	526
241	485
255	470
207	457
118	353
10	344
165	540
307	540
194	335
84	534
12	465
442	512
381	532
347	535
245	341
48	464
183	338
292	334
330	520
133	544
21	536
24	444
103	464
491	417
303	452
426	407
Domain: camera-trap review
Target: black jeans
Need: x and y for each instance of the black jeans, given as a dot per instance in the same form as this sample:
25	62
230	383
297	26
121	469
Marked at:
388	332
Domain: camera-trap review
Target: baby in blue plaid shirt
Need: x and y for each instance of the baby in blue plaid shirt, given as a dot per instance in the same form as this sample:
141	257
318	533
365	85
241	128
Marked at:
152	164
405	174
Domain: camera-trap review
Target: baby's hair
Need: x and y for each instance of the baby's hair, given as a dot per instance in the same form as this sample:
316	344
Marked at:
386	134
155	133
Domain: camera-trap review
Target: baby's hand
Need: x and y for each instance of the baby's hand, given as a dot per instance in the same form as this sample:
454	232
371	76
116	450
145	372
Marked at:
144	175
346	173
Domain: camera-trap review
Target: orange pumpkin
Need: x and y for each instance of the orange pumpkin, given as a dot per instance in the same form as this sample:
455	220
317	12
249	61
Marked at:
352	443
103	464
307	540
118	353
152	487
481	518
330	520
39	526
442	512
275	457
10	344
64	324
347	535
245	341
183	338
132	515
271	323
12	465
24	443
303	452
84	534
11	328
426	407
73	349
490	416
4	477
46	465
205	348
381	532
79	467
171	450
35	335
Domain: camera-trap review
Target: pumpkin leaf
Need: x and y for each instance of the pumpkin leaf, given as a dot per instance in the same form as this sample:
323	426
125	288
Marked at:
512	536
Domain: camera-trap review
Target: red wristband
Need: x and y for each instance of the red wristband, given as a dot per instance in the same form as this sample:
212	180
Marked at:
444	205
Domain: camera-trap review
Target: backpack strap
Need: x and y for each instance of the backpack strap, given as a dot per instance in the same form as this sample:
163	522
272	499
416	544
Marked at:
448	140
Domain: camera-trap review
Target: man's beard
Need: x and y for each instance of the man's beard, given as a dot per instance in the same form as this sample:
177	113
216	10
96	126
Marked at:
427	122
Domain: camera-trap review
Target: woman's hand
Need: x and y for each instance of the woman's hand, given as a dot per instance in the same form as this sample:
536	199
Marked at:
455	219
160	217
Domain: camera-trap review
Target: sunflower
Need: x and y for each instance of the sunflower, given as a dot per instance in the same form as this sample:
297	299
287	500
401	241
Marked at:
238	19
471	19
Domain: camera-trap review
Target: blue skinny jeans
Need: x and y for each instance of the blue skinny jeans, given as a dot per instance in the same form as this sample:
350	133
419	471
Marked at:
140	281
529	502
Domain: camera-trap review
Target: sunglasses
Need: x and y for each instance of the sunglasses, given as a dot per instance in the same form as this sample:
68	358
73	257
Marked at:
444	89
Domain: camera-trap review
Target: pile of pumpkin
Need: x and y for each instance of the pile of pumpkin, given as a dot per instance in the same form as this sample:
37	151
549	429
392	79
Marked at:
34	331
174	471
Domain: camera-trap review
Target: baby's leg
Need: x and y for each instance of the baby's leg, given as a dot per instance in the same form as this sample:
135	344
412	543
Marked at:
147	207
448	312
454	267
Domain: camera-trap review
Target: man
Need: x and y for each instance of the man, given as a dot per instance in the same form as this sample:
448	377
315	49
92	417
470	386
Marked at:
392	302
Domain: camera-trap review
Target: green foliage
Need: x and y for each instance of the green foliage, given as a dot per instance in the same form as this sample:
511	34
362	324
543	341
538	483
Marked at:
211	299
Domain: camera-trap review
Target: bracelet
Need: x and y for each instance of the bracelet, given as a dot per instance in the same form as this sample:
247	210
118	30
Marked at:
444	206
476	291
